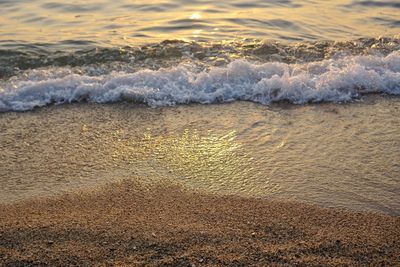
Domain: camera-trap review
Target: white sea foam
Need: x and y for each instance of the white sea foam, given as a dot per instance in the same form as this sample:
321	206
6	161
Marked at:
333	80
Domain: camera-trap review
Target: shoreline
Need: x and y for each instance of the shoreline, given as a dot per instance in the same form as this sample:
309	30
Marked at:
132	224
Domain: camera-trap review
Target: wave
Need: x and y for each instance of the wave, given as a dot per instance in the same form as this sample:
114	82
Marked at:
332	80
17	57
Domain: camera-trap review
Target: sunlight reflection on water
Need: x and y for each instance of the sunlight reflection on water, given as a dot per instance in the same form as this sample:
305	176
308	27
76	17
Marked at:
216	163
124	22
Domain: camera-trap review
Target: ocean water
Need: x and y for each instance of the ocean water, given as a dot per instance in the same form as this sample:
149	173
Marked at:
79	23
302	126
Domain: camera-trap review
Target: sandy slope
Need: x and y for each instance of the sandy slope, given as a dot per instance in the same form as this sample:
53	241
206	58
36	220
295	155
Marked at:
129	224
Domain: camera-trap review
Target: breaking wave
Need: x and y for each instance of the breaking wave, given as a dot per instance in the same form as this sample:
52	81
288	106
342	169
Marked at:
331	80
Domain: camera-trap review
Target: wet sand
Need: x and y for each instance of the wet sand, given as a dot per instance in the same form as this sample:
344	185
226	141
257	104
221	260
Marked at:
130	224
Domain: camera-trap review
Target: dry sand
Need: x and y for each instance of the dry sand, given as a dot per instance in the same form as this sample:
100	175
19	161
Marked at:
129	224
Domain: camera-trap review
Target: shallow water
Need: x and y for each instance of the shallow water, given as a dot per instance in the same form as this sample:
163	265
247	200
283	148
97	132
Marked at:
129	23
333	155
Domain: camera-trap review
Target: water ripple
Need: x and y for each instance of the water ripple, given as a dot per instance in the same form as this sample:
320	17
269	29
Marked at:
141	22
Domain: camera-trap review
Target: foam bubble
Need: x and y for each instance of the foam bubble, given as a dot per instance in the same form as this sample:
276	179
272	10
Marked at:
333	80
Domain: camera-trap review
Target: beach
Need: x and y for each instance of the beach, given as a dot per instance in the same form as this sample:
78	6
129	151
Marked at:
82	187
128	224
199	133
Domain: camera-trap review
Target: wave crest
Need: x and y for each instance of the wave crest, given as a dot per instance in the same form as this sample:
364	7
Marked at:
333	80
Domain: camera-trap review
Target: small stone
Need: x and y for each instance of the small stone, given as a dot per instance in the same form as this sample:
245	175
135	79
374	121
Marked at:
253	234
50	242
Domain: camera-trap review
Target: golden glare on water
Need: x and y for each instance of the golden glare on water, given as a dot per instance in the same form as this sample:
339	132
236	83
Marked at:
195	16
131	22
216	163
